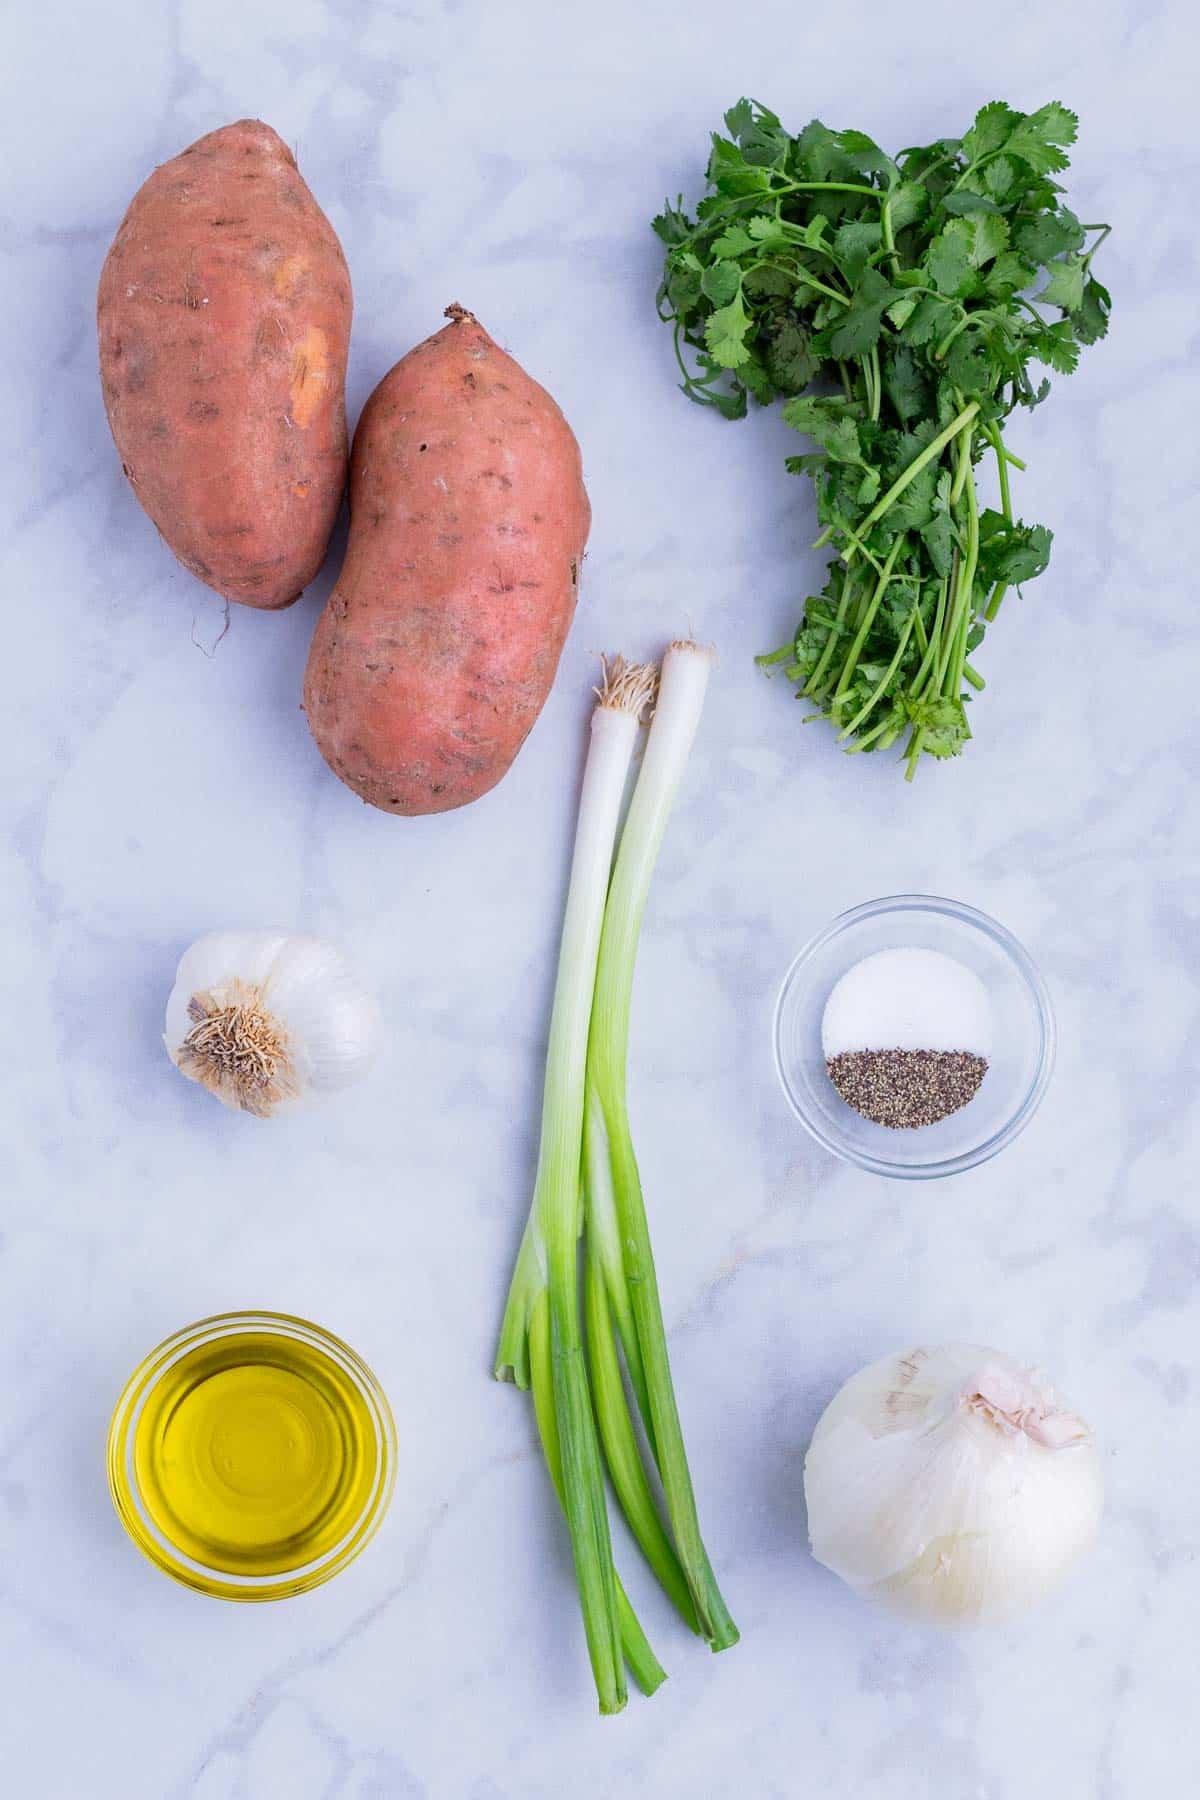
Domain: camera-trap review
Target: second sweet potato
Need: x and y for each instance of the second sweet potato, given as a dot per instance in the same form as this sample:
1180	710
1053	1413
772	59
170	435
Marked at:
468	520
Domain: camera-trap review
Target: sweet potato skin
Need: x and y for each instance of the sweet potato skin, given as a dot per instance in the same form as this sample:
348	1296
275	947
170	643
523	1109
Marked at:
224	323
468	521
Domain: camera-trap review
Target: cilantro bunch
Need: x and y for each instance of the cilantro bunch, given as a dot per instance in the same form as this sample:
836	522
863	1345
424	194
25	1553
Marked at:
897	306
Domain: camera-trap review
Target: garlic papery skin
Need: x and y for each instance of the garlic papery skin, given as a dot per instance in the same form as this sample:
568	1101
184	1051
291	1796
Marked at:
951	1485
267	1020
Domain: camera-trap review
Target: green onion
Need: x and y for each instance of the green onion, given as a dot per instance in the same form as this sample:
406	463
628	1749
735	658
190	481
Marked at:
681	692
540	1338
588	1186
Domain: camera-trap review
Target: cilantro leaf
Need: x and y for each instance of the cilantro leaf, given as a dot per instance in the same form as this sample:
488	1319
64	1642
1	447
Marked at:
789	357
1065	286
998	176
1049	235
930	320
988	234
862	321
937	532
943	726
948	260
905	382
907	203
730	172
1039	139
1091	317
759	134
1055	124
682	284
735	240
740	118
720	282
1011	554
865	155
960	204
817	155
1007	275
725	334
1057	347
767	281
672	224
854	244
828	422
754	375
992	129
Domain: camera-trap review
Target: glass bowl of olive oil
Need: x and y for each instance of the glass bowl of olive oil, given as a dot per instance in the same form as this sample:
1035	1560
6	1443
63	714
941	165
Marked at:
252	1456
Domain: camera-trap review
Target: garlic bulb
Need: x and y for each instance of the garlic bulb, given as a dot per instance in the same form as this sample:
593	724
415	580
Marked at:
951	1485
266	1019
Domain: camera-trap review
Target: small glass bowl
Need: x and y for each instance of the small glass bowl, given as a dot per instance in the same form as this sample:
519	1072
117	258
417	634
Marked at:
362	1421
1019	1066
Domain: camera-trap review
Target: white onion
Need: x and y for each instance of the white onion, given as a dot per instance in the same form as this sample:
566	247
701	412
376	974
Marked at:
950	1484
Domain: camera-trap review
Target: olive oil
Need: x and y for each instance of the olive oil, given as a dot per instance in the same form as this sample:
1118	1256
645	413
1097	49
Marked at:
251	1455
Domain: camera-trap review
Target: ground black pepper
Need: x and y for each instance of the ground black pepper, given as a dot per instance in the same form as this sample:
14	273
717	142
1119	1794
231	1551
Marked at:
906	1088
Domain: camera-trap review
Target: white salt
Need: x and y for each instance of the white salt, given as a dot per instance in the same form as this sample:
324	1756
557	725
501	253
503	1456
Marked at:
907	1000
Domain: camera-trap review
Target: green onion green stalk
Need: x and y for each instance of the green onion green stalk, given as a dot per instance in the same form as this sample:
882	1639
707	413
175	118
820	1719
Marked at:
588	1192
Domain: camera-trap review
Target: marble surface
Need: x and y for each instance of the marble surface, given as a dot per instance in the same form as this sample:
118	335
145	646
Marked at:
161	781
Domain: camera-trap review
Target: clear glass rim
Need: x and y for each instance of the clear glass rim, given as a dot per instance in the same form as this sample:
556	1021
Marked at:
222	1583
1030	973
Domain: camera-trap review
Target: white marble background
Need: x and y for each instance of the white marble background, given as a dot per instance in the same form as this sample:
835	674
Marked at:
510	156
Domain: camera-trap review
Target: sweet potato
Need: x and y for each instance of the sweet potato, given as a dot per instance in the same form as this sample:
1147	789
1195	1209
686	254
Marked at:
224	320
468	520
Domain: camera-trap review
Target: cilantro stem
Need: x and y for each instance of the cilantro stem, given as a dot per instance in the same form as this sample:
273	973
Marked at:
1104	231
988	156
930	660
889	241
1029	307
822	287
860	636
992	432
869	737
959	326
676	335
974	677
902	481
922	636
962	470
819	187
913	752
695	390
965	602
739	202
1002	460
868	706
812	685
